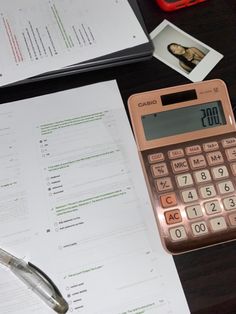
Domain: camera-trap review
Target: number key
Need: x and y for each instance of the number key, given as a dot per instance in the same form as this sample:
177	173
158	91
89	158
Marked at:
207	191
220	172
194	211
225	187
229	203
184	180
212	207
199	228
202	176
178	233
189	195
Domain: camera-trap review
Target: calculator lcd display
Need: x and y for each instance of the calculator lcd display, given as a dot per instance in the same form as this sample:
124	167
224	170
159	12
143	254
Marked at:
183	120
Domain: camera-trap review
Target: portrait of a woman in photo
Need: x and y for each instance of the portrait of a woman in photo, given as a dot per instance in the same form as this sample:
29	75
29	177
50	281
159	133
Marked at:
188	57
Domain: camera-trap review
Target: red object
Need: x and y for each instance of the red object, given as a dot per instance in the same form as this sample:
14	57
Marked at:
171	5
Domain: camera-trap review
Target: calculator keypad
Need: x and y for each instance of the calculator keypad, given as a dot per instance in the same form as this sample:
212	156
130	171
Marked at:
194	191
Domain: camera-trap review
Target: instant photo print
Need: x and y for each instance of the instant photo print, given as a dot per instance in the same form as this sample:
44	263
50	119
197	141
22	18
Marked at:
182	52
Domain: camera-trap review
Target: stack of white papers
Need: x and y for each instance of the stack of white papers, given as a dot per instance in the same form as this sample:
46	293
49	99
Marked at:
45	35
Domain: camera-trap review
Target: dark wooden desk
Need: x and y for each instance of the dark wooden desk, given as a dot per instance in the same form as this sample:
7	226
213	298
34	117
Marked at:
208	276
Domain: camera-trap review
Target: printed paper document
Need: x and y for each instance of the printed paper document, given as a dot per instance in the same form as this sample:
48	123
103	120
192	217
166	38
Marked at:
73	201
45	35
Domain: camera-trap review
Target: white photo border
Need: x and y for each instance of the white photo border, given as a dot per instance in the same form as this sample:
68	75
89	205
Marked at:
203	68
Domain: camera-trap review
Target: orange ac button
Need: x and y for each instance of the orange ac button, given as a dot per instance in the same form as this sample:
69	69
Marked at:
168	200
173	216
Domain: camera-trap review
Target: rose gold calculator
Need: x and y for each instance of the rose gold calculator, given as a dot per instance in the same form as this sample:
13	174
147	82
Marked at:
186	137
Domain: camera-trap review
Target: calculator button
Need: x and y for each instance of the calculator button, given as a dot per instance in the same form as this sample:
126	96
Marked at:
180	165
199	228
194	211
232	219
229	203
157	157
207	147
164	184
189	195
202	176
168	200
228	142
159	170
176	153
218	224
220	172
207	191
173	216
184	180
197	162
215	158
212	207
178	233
233	168
231	154
192	150
225	187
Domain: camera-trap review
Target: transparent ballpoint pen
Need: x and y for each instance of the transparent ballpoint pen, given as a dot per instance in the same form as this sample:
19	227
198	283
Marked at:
36	280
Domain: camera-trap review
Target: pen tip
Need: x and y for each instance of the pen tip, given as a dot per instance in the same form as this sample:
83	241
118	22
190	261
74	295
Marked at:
62	306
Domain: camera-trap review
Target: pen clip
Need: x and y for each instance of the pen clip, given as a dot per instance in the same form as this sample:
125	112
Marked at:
45	277
60	305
